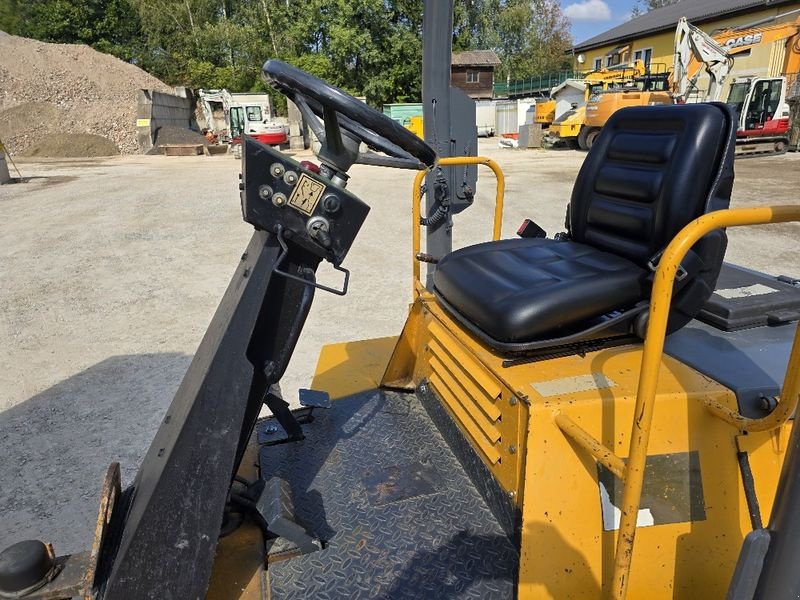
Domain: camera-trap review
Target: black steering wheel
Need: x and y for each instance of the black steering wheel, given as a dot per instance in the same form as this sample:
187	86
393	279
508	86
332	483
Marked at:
363	123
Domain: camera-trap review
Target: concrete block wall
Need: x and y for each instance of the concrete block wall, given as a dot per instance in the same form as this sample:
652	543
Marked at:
157	109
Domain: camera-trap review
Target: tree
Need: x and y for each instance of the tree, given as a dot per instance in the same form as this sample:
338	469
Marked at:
642	6
110	26
533	38
367	47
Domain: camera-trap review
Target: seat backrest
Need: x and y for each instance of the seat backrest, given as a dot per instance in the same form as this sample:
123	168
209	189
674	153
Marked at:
651	171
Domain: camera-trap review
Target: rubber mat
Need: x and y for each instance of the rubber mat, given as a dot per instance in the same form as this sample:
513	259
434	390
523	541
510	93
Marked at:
398	515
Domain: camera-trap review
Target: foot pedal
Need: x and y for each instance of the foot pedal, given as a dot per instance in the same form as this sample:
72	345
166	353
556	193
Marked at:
314	398
277	509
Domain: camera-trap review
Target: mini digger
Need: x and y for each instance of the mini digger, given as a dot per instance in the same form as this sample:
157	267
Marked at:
602	414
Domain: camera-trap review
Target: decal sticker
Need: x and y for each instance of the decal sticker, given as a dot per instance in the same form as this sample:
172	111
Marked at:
306	194
744	40
745	292
672	492
572	385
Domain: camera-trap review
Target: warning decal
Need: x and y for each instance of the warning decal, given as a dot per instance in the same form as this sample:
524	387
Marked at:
306	194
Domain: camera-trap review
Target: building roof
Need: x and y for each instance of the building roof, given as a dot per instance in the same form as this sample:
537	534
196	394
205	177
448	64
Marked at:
666	17
474	58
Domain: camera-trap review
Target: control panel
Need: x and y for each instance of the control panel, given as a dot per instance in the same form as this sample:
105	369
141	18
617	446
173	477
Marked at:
311	211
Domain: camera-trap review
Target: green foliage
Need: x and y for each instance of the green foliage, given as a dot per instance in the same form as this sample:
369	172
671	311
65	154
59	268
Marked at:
111	26
11	15
534	38
642	6
371	48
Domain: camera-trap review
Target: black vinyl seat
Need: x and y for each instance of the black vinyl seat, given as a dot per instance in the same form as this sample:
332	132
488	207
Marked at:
651	171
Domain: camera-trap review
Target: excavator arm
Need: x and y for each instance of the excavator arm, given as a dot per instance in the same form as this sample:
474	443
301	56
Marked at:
692	43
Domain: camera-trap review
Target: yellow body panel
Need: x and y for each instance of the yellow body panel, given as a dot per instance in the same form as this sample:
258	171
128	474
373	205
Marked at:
545	112
607	103
571	126
352	367
416	127
565	551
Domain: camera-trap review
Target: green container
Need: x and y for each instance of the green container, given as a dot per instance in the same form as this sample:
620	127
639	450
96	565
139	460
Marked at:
402	113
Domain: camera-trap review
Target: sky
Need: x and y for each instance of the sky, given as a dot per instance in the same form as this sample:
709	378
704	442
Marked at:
592	17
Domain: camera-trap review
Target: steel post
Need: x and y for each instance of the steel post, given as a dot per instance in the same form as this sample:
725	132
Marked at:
437	45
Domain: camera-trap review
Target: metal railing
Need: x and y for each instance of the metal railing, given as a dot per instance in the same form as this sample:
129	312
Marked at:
532	85
416	236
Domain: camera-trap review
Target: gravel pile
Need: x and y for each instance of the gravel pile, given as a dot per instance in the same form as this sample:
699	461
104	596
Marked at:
72	145
67	88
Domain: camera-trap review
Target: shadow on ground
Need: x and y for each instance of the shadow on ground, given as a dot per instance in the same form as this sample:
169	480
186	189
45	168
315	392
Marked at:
57	445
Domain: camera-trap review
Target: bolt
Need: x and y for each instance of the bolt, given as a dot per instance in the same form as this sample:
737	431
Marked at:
269	368
512	495
423	387
767	403
271	429
279	199
290	177
512	449
512	401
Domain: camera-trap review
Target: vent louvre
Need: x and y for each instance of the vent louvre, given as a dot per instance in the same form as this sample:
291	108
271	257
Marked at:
468	390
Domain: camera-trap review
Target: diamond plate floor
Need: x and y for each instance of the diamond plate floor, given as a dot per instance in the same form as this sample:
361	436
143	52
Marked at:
399	516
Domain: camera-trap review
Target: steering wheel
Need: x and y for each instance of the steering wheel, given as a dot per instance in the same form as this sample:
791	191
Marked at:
361	122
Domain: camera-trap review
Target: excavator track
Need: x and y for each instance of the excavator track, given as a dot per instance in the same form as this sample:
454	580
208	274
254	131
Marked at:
764	146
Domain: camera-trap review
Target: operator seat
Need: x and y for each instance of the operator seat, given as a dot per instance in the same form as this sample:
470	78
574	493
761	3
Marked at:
652	170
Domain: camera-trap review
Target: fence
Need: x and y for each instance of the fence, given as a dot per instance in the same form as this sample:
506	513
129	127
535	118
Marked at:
538	84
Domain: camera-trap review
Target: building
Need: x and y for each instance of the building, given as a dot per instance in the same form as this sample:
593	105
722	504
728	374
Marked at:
651	37
473	72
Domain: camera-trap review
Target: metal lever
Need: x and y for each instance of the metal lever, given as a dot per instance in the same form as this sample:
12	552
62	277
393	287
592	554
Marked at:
285	252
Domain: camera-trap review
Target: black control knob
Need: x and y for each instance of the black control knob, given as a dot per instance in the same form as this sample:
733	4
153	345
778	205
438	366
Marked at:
331	204
25	566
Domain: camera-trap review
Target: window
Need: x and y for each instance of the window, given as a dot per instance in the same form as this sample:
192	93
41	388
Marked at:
598	64
473	77
645	54
237	121
253	113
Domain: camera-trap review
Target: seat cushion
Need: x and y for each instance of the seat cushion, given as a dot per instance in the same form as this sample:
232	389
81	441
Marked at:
520	290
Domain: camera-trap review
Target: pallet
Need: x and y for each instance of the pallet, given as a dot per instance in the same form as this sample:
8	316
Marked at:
182	149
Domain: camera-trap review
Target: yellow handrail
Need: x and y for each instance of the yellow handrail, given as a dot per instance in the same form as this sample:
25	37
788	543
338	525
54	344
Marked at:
790	395
602	454
632	472
651	364
417	199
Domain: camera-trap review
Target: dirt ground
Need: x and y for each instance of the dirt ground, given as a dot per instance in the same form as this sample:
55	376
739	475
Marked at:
112	268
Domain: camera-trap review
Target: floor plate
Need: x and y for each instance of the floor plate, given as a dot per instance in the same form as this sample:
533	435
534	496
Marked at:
377	483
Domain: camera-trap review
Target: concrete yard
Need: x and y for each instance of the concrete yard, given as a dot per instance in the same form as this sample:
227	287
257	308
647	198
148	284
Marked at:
111	269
